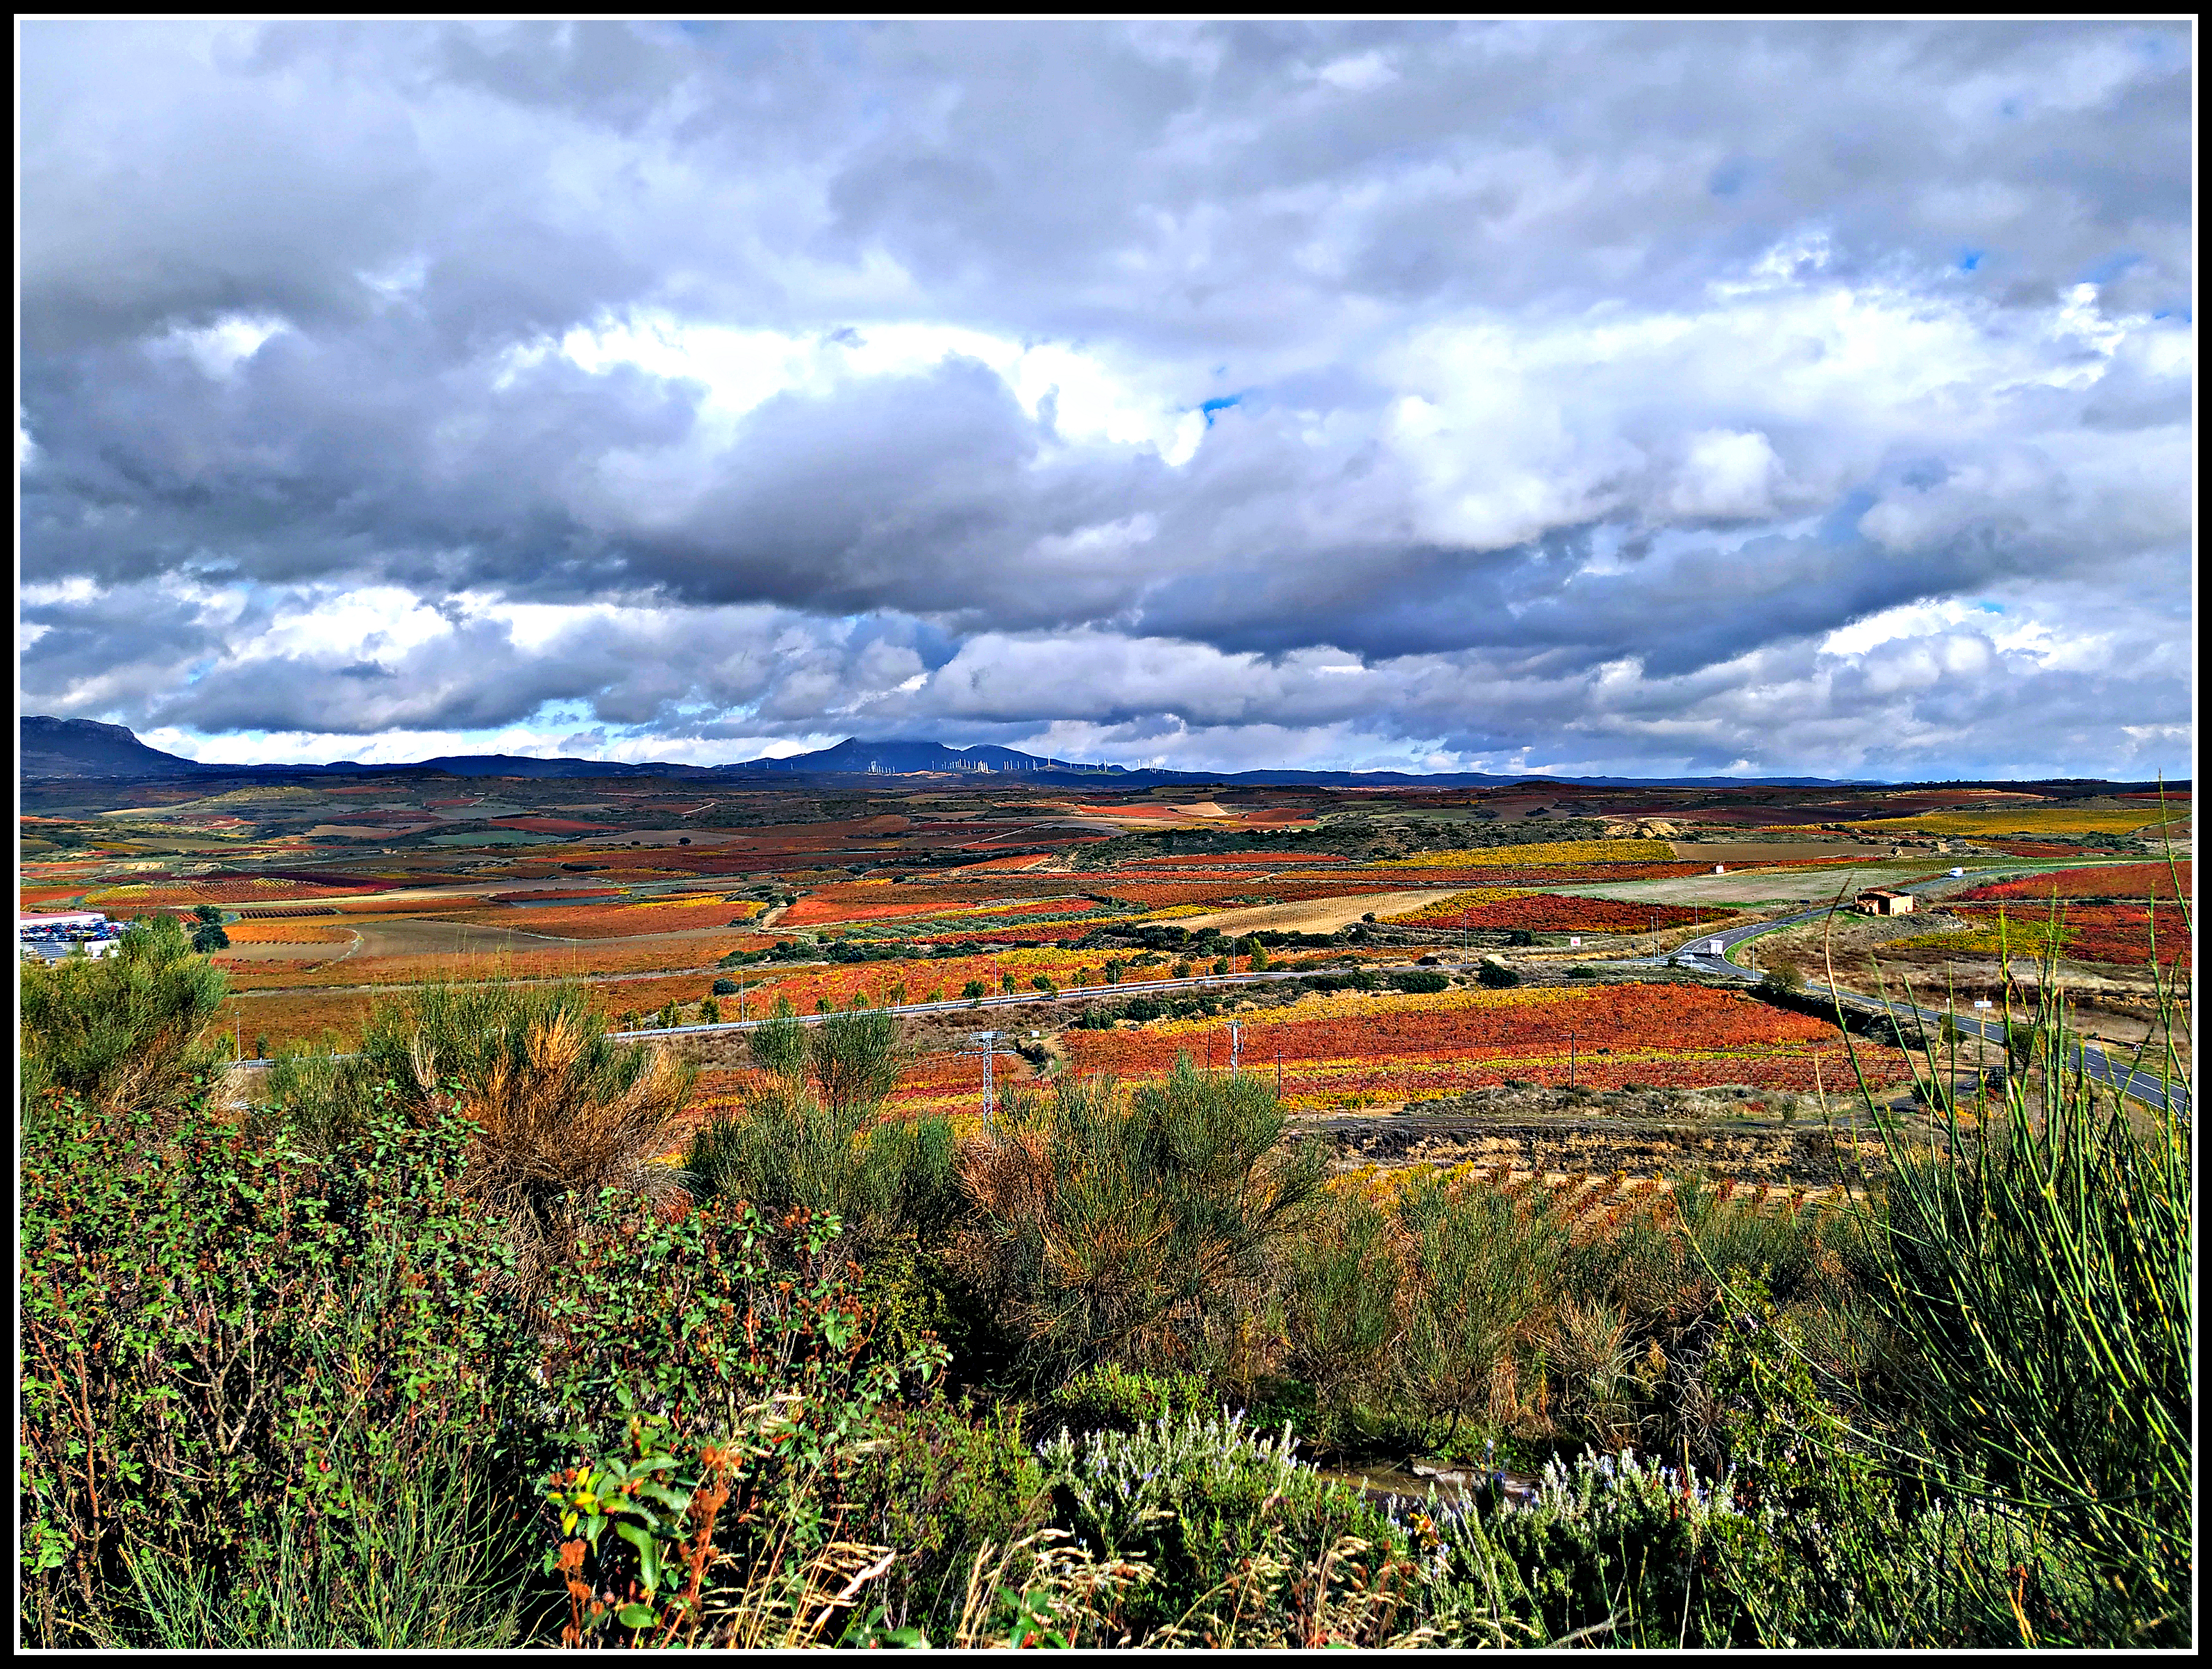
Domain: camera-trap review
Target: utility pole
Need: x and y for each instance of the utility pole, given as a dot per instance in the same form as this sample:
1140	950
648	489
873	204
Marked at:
988	1042
1570	1060
1278	1066
1235	1049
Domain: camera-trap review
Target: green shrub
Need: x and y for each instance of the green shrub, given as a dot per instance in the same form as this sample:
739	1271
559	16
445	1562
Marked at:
1199	1498
1120	1229
1106	1395
814	1139
123	1031
1339	1291
249	1361
725	988
558	1110
946	1479
1484	1263
2040	1282
711	1387
1636	1553
1418	982
1497	974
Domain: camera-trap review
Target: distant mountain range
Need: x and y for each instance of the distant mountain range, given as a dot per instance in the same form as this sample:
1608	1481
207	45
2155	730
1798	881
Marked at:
68	749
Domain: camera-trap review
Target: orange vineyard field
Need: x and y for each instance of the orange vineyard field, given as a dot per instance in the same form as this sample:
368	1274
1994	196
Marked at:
1350	1051
2115	934
2132	881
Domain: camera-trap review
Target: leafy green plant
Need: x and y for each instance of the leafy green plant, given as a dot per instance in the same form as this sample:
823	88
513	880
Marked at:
744	1370
242	1362
945	1480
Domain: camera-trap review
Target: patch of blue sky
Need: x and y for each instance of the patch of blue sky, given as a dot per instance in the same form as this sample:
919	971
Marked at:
1220	404
1969	259
568	710
1841	524
2112	266
1731	177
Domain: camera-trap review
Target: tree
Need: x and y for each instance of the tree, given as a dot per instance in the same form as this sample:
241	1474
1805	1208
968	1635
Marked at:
975	990
209	935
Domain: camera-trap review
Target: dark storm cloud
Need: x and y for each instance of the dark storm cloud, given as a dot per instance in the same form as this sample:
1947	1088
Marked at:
1564	377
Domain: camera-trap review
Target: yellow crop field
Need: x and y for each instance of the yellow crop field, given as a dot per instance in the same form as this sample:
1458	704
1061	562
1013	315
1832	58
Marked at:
1541	852
1454	904
2027	820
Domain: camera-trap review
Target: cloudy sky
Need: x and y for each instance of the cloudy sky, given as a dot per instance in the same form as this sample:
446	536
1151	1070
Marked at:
1646	399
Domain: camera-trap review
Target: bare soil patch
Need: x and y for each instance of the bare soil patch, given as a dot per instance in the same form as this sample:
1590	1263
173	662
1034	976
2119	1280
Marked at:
292	951
401	937
1317	915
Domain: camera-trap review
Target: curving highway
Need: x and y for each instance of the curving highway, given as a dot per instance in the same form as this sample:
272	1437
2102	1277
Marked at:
1702	955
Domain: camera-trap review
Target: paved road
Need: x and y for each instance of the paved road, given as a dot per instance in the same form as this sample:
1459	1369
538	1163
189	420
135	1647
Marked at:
1709	954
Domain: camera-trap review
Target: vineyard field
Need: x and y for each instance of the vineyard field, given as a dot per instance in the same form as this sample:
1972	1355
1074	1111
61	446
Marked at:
1351	1051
